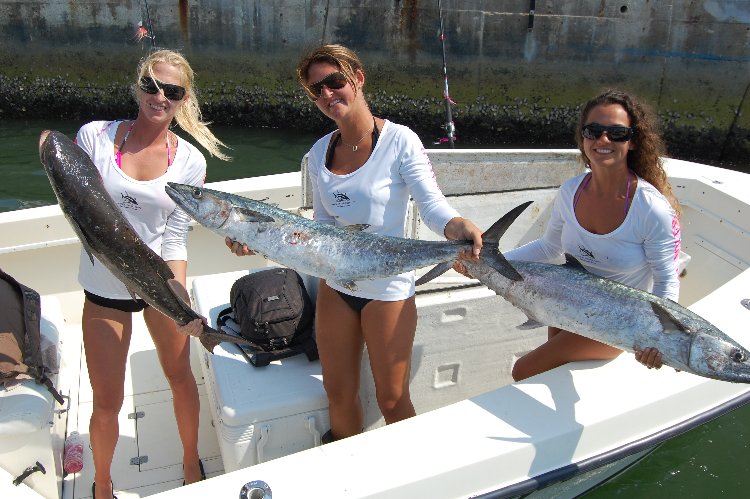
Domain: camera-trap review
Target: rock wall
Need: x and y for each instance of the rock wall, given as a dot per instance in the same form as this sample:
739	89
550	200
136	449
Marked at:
518	70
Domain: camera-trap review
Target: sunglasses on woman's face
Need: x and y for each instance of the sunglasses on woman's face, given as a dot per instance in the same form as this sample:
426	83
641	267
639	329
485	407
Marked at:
333	81
171	92
615	133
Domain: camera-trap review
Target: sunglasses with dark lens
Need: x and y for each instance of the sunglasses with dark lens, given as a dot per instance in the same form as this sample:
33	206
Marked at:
333	81
615	133
171	92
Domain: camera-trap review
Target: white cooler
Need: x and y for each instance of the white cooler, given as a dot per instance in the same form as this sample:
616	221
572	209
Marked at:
260	413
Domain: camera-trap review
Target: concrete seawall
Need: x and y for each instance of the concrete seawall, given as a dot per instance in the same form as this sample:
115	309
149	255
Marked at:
518	69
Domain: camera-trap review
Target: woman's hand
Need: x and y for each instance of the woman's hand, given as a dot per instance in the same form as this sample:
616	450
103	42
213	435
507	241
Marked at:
192	328
459	267
460	228
649	357
238	248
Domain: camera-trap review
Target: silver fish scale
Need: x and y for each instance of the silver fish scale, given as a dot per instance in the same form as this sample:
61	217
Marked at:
323	250
578	301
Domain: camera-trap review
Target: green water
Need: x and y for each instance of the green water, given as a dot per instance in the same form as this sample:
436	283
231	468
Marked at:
709	461
255	152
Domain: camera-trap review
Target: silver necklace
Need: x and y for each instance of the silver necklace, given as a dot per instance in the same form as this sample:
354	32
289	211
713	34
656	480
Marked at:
355	146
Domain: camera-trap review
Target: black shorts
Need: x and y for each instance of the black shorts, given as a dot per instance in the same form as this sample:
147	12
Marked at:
355	302
129	305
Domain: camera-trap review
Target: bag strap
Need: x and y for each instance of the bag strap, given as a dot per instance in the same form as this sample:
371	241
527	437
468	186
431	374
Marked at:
310	347
223	316
260	358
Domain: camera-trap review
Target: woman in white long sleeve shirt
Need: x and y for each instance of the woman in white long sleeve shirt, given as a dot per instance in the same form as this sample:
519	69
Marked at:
364	173
136	158
620	220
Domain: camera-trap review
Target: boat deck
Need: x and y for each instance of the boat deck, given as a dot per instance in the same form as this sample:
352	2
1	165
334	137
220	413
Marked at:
475	432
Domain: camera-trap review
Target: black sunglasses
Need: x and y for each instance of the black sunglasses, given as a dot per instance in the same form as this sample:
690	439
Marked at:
334	81
171	92
615	133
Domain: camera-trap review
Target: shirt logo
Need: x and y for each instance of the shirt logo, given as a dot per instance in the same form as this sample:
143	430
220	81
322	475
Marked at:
128	202
340	199
586	255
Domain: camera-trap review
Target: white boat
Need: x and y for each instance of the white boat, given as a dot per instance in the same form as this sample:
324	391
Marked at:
477	433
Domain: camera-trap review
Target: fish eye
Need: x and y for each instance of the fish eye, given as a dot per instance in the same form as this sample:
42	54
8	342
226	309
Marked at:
738	356
197	192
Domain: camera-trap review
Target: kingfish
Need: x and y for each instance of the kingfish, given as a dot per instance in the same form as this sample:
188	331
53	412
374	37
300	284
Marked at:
106	234
338	254
572	298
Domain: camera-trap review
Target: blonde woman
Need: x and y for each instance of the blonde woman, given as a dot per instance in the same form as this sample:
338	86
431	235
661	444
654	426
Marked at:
136	158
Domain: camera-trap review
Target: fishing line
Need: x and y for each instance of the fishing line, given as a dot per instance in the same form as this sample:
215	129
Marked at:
449	127
151	33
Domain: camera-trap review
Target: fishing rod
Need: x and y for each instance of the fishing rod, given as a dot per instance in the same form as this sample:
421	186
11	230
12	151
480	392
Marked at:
151	33
145	32
449	127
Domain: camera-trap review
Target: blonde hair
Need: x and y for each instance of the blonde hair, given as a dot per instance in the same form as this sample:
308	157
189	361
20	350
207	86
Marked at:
188	116
342	57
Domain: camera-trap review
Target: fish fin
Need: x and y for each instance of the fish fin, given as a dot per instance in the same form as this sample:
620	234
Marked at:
436	271
497	261
248	215
88	252
179	290
132	294
494	233
356	227
350	285
530	324
210	337
573	262
84	243
666	319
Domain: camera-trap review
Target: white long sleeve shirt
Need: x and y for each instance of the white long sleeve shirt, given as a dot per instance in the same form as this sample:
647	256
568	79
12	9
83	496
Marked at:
377	194
155	217
642	252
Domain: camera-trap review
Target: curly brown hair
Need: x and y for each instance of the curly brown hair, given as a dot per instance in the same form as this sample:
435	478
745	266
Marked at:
645	159
342	57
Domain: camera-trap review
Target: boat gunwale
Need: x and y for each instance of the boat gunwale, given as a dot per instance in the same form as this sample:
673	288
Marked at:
567	472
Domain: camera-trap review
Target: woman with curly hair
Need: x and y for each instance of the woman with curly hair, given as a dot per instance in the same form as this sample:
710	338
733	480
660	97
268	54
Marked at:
620	220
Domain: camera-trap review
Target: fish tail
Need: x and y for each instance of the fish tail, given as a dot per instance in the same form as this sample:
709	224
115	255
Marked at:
490	252
491	238
492	257
210	337
494	233
436	271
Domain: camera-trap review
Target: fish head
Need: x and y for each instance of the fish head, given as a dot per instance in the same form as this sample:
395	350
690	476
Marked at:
47	153
50	154
715	355
43	140
68	167
207	207
53	147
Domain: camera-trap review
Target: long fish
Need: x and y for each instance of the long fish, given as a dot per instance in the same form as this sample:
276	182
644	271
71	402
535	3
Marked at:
106	233
572	298
339	254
